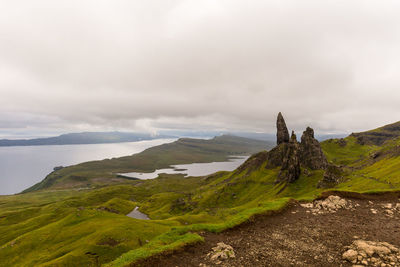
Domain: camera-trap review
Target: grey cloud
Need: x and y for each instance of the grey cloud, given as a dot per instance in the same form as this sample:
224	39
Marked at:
151	65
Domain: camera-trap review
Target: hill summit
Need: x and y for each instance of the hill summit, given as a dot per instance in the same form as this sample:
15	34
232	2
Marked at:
291	155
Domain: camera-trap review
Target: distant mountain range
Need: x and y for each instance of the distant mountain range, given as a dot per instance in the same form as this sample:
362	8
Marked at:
83	138
120	137
251	135
272	137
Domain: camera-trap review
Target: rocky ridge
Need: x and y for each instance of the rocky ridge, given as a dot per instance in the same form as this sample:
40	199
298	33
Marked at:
378	136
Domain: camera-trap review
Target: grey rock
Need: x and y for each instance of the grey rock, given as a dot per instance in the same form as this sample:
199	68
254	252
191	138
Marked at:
311	152
282	131
290	170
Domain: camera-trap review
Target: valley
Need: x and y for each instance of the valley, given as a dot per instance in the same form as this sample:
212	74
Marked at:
149	133
79	213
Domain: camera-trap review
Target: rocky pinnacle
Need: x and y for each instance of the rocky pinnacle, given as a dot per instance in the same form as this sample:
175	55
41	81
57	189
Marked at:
282	134
291	155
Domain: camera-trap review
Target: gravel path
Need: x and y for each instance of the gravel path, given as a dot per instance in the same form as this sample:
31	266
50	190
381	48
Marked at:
297	236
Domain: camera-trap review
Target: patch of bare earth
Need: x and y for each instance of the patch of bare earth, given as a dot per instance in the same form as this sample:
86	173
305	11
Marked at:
301	235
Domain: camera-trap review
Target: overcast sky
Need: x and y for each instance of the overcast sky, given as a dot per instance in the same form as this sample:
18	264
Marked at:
69	66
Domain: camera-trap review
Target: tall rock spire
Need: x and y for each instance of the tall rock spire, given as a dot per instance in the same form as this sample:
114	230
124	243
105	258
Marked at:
282	134
291	155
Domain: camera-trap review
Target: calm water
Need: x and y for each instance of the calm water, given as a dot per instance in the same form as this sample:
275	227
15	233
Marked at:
22	167
194	169
137	214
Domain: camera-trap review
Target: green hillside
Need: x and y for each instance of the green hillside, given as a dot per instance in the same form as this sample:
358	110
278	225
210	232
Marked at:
380	135
89	227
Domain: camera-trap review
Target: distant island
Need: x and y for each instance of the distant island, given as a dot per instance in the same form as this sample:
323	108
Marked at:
83	138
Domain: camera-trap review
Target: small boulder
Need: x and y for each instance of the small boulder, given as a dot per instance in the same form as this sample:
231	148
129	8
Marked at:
221	252
350	255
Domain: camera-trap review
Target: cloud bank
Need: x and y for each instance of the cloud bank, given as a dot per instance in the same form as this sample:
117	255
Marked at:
218	65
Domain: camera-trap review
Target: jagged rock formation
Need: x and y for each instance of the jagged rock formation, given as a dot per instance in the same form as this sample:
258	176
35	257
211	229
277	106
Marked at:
311	152
286	154
291	155
276	156
282	134
290	170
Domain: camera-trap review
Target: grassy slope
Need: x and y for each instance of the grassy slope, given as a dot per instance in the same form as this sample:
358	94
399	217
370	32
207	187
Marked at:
183	151
380	135
350	154
70	224
364	172
64	230
237	196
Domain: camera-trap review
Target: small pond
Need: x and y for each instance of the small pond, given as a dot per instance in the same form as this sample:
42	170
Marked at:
137	214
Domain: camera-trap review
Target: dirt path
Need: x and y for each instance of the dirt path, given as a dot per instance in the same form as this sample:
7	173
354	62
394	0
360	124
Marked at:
295	237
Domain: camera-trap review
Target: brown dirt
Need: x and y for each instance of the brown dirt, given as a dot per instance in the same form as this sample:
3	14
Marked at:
294	237
108	242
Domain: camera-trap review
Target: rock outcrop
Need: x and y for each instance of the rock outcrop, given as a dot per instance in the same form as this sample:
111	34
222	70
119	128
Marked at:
329	205
282	134
290	170
291	155
311	153
253	162
332	176
371	253
221	253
